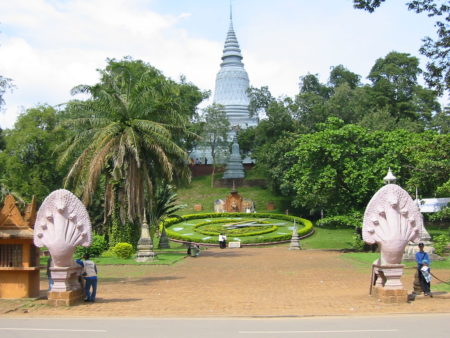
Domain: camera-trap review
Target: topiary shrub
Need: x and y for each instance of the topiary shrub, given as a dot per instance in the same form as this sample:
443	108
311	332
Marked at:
98	245
123	250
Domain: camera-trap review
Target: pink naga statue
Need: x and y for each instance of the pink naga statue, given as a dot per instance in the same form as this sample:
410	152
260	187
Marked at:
392	219
62	224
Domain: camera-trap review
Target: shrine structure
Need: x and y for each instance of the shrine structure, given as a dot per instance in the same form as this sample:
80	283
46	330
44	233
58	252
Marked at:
234	203
19	257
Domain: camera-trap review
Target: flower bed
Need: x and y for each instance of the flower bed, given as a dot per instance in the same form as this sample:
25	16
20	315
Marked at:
204	228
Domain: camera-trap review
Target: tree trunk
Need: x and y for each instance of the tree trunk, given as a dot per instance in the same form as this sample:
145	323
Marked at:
212	174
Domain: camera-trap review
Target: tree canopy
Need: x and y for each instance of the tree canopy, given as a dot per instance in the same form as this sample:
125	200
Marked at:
125	135
28	162
437	51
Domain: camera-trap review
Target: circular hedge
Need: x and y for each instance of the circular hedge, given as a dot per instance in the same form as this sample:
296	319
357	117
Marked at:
205	227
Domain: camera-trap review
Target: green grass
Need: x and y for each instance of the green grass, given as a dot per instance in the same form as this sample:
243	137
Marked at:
440	287
329	239
436	231
164	258
364	258
200	192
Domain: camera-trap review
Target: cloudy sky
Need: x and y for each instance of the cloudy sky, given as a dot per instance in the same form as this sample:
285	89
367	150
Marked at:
49	46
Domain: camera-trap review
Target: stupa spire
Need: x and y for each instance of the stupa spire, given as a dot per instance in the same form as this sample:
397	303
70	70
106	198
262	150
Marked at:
232	82
231	51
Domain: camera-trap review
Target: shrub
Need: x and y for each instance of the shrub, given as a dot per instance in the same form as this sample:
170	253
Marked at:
441	215
357	243
98	245
340	222
108	253
123	250
440	244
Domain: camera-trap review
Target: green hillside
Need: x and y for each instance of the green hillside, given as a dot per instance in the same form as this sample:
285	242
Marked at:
200	192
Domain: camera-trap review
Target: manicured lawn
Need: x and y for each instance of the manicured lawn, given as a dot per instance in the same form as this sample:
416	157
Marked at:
165	258
206	230
329	239
162	258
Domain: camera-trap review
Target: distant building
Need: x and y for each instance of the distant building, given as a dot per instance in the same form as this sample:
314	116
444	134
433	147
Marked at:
433	204
230	91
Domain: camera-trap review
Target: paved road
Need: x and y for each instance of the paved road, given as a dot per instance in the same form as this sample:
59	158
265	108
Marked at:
411	326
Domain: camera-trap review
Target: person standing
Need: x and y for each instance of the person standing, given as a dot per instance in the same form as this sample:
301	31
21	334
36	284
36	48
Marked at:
49	273
425	270
222	241
90	278
421	259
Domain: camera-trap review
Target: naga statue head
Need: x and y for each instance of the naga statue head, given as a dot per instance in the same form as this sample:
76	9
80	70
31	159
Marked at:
391	220
62	224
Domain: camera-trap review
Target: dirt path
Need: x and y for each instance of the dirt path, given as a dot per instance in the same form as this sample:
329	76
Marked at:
244	282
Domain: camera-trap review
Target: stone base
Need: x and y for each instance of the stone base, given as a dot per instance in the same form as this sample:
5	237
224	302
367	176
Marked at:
390	295
65	298
416	284
146	256
295	245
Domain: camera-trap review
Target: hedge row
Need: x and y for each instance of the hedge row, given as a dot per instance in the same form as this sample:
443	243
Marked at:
303	231
339	222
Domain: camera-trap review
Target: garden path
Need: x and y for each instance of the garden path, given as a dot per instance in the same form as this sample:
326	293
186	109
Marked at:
241	282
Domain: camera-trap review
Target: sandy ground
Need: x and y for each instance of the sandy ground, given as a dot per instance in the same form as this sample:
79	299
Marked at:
240	282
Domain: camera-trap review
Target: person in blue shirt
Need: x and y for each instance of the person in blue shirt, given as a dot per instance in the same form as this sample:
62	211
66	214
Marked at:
421	259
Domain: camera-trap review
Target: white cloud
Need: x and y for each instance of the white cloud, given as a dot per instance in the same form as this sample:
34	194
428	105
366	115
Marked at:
48	49
49	46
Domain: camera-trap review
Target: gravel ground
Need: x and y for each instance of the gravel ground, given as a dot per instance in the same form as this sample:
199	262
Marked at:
247	282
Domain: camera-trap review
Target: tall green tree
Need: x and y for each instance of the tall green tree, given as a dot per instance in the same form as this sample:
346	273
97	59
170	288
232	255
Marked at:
5	84
125	136
339	167
437	51
395	88
340	75
28	160
260	99
215	133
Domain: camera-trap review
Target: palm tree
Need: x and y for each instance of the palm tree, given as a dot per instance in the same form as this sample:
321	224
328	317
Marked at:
165	202
124	137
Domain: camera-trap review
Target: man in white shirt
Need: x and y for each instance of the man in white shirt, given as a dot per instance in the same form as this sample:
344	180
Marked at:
90	277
